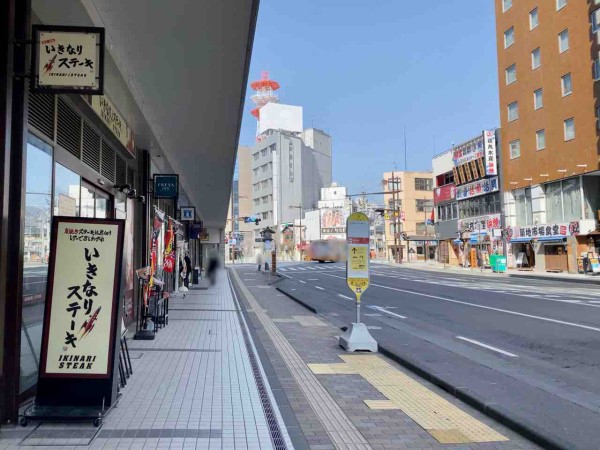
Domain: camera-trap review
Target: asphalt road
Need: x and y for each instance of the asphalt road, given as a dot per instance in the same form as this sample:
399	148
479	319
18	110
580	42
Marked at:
529	347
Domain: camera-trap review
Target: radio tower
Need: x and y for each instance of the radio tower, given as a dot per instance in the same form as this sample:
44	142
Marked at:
265	93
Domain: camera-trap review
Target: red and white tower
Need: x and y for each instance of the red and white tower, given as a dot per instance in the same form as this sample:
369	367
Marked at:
265	93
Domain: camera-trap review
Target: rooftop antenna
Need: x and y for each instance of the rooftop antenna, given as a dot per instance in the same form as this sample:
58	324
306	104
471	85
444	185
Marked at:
405	159
265	93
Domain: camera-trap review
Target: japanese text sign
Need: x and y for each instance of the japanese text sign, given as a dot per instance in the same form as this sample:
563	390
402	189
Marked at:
113	120
357	266
83	297
68	59
491	167
558	230
480	187
444	194
468	151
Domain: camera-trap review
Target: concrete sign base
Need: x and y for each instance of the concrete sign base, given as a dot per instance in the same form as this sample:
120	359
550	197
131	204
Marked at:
358	338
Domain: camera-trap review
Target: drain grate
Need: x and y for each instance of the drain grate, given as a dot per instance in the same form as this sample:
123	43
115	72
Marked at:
274	428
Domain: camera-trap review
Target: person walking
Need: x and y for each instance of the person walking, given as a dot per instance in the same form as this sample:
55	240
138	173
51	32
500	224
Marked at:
259	260
187	270
213	265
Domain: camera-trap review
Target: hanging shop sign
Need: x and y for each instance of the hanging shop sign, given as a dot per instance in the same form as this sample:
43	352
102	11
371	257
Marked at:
532	232
444	194
195	230
111	117
482	223
468	151
68	59
166	185
188	213
491	166
481	187
357	266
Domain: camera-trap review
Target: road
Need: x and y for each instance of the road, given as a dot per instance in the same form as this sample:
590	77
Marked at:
531	347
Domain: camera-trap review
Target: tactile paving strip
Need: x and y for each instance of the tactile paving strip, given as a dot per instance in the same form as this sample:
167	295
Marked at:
447	423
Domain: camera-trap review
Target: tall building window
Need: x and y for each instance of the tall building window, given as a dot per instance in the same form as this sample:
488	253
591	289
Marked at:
595	18
255	156
560	4
563	41
509	37
424	205
569	129
423	184
596	69
563	201
538	99
506	5
566	84
515	149
511	74
536	59
513	111
533	19
540	139
523	207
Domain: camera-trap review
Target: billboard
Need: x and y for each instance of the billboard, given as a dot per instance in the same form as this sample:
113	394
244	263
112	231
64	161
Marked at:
474	149
275	116
333	221
444	194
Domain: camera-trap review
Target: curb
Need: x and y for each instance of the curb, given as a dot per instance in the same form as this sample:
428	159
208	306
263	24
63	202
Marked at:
490	409
564	279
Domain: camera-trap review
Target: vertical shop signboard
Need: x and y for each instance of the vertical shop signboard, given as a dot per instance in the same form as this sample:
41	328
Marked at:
82	315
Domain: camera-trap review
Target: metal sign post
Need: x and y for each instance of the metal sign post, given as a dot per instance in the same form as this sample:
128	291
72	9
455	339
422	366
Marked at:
357	336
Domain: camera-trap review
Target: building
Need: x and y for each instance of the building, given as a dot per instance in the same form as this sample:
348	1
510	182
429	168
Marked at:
128	151
240	227
408	214
446	209
475	174
548	69
288	175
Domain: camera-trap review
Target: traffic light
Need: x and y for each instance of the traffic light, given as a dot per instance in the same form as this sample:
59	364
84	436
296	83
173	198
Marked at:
256	221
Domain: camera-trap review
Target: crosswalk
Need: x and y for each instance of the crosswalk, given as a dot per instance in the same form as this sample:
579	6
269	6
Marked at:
587	296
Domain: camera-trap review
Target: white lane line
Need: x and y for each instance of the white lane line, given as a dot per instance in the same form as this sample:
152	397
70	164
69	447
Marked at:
301	268
283	270
345	296
506	311
489	347
385	311
313	279
287	276
320	288
303	282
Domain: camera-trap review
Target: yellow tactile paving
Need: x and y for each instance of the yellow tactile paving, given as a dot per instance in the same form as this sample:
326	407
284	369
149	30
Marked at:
444	421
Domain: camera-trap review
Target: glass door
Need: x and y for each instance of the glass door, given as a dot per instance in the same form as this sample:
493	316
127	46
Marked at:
95	203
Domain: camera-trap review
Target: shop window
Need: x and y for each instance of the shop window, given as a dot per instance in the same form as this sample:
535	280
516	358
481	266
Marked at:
523	207
563	201
591	187
66	191
36	250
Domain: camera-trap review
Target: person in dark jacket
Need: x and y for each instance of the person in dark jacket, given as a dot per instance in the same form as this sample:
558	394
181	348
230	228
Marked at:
213	265
187	267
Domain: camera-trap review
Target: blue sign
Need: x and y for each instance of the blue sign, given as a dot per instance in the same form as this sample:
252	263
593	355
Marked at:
195	230
166	186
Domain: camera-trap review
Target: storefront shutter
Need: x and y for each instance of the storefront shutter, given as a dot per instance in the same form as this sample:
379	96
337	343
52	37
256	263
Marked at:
108	161
41	113
91	148
68	129
121	171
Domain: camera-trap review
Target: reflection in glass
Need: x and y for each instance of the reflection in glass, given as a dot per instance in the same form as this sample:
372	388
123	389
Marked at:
87	202
38	203
101	206
66	192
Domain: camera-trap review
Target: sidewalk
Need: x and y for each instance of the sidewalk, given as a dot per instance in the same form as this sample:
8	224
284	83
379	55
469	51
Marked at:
356	401
195	386
435	266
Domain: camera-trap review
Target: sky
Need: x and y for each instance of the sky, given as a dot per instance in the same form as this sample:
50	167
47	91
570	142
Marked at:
364	70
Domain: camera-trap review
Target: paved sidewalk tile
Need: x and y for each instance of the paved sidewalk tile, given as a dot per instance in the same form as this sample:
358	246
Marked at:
193	386
382	428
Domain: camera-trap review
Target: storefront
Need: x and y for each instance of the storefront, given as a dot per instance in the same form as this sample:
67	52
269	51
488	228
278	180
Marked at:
480	237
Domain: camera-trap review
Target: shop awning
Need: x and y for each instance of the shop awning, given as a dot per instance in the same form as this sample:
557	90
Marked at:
477	237
520	240
552	240
457	241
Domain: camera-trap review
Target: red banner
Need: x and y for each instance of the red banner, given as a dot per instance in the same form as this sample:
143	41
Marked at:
169	256
444	193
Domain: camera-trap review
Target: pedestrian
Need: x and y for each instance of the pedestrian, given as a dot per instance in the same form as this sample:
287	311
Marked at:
259	260
213	265
187	263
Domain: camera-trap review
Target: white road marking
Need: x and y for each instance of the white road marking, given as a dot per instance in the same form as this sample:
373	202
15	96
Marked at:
489	347
385	311
313	279
320	288
506	311
303	282
301	268
345	296
287	276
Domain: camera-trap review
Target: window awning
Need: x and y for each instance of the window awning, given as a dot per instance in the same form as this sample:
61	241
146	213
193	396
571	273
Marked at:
478	237
552	240
520	240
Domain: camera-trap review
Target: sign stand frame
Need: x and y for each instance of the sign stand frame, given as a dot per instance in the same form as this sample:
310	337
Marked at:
52	387
357	336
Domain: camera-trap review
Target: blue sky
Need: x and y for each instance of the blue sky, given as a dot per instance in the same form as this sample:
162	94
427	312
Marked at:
364	69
